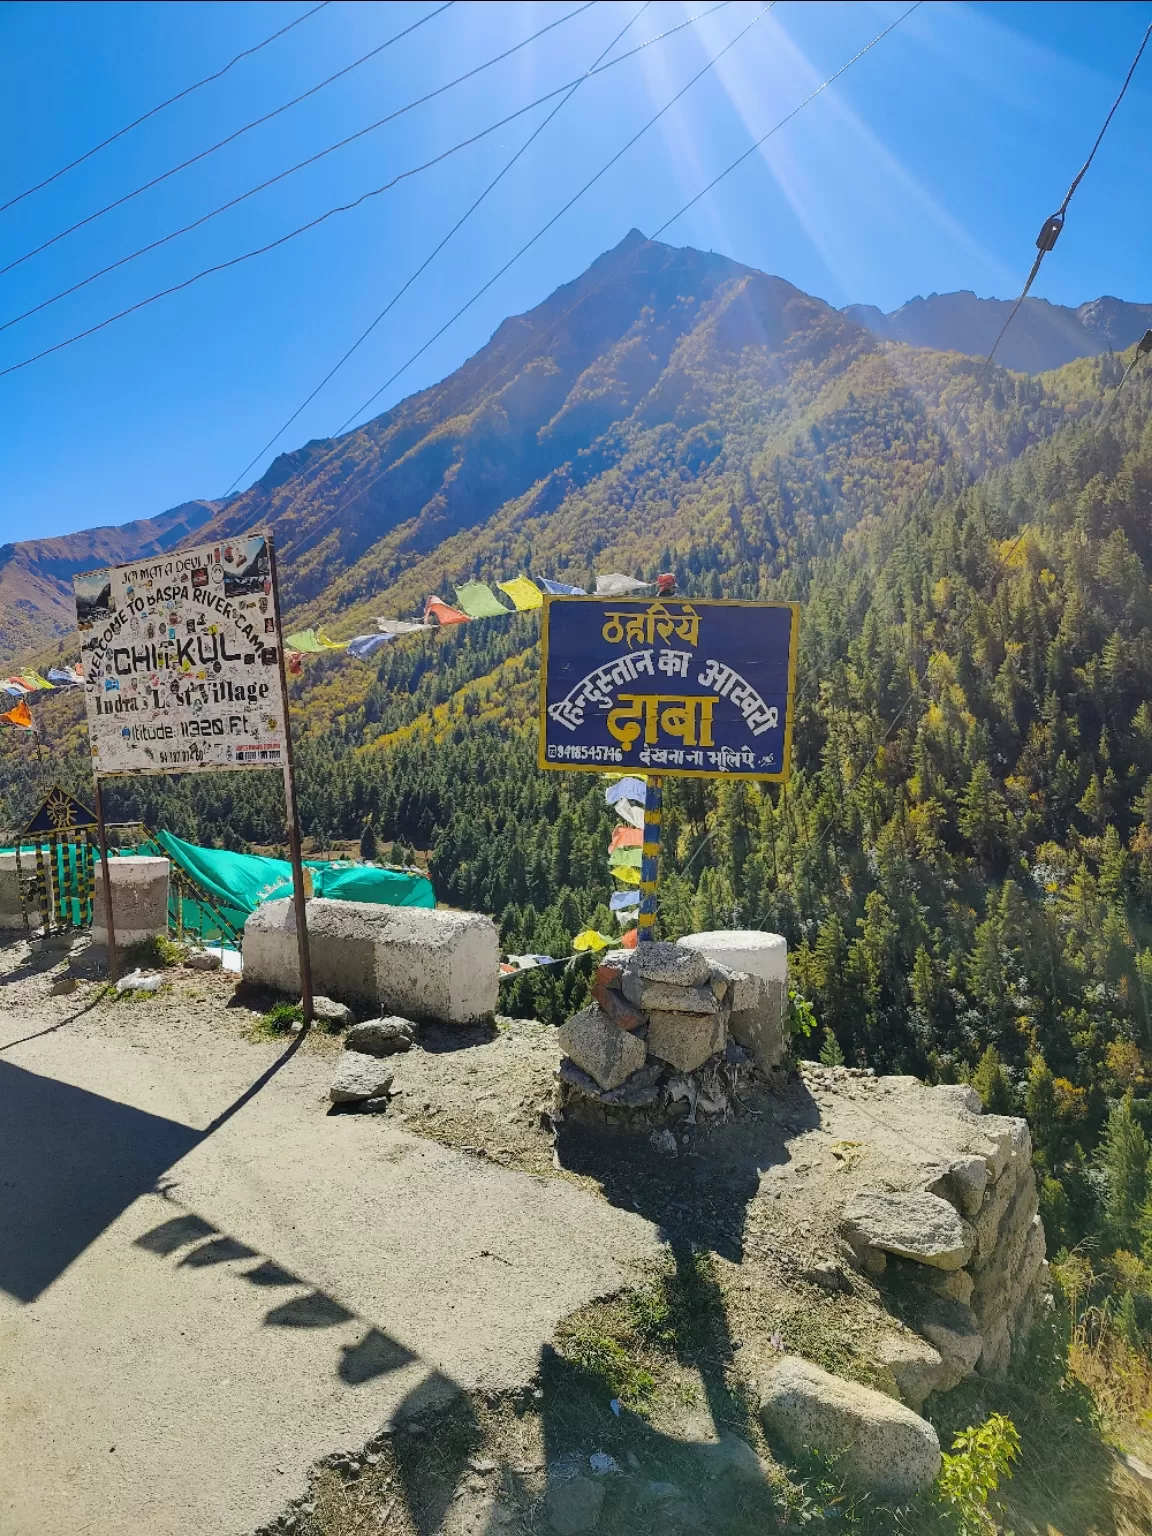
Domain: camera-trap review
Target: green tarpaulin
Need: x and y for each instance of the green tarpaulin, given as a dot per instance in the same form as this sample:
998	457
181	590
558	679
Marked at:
239	882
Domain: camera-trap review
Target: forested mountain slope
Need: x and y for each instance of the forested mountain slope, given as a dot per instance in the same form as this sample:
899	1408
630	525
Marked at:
36	574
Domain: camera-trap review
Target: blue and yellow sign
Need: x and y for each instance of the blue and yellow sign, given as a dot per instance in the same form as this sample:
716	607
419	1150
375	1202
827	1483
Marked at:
699	689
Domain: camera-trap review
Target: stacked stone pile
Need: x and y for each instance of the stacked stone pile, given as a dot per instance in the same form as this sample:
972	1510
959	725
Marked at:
661	1039
362	1080
970	1242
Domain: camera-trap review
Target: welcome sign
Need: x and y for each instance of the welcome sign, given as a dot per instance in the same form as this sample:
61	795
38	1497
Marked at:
700	689
181	659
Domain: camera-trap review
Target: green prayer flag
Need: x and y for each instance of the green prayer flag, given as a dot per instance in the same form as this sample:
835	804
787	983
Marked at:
478	601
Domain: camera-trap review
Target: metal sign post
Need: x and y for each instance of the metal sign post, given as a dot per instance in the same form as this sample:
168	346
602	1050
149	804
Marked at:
698	689
299	893
106	884
184	673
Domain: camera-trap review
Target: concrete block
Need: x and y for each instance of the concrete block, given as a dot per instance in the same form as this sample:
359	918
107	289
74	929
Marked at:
11	879
761	963
139	900
412	961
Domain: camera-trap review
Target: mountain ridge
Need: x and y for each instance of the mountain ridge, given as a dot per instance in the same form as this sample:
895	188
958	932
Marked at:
652	343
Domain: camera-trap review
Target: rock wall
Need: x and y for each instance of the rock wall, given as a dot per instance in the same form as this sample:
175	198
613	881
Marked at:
962	1248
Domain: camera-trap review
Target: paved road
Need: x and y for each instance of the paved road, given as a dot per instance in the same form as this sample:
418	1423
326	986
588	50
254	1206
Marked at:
202	1292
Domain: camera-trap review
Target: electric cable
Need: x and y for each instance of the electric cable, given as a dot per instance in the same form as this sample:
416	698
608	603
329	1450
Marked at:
1054	223
1143	347
400	292
179	96
291	170
340	208
1046	240
204	153
583	298
575	198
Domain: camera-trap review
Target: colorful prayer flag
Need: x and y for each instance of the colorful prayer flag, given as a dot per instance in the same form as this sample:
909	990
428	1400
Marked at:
590	939
524	593
21	716
399	626
628	940
295	664
63	678
626	874
363	646
561	588
616	584
621	901
630	788
439	610
306	640
632	814
330	645
478	601
625	858
625	837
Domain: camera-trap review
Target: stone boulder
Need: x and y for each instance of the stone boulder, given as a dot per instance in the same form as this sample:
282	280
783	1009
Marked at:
601	1048
878	1444
685	1040
912	1224
381	1037
668	963
757	964
663	997
359	1078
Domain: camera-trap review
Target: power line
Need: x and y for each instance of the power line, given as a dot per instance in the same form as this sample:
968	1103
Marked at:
751	150
292	169
343	207
582	299
1049	234
400	292
575	198
1143	347
1052	226
179	96
202	155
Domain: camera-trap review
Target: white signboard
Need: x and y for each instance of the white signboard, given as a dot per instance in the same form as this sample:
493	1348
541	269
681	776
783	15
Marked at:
181	661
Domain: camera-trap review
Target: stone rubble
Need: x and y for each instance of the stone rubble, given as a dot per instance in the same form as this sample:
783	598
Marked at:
654	1046
381	1037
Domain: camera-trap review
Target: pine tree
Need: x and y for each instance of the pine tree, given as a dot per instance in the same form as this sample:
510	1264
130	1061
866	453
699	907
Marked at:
1124	1154
830	1053
368	841
991	1083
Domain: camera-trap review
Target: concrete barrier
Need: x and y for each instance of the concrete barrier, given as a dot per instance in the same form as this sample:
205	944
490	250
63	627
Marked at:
757	1020
412	961
139	900
11	912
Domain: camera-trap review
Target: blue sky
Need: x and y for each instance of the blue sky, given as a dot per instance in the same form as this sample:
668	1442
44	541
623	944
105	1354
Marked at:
929	167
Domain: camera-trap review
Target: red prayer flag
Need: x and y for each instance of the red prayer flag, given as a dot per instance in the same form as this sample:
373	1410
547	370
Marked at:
628	941
626	837
439	610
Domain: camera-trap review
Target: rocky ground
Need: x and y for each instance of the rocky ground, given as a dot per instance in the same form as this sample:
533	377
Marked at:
641	1414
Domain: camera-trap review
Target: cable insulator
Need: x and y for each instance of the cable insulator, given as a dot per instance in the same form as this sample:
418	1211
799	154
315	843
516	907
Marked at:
1050	232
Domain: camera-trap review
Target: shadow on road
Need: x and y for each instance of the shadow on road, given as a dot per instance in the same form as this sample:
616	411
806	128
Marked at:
73	1161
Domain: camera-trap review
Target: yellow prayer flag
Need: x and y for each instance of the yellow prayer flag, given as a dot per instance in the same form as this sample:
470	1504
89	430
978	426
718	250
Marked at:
524	593
590	939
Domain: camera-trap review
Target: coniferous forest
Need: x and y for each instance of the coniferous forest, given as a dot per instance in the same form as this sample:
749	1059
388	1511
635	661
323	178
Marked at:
962	860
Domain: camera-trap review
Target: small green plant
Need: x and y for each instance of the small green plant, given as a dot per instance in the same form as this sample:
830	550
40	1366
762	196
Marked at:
602	1355
981	1456
150	954
279	1019
800	1016
830	1053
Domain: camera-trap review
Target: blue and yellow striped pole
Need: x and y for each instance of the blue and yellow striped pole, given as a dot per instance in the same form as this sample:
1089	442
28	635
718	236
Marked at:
650	858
